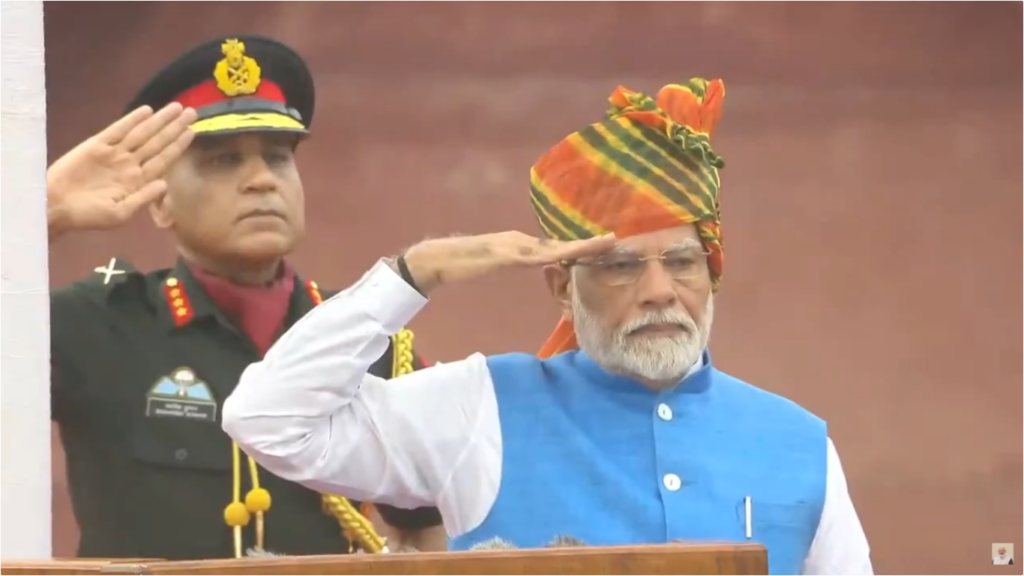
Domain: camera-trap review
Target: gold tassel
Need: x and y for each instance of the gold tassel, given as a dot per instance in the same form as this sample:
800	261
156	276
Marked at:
357	528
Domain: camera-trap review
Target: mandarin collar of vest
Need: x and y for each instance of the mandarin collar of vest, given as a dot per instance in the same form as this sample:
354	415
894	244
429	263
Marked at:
181	300
696	381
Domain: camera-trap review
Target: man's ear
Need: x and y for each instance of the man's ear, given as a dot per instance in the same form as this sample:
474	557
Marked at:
559	281
160	211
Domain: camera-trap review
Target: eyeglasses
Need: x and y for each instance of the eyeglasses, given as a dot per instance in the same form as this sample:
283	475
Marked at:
622	269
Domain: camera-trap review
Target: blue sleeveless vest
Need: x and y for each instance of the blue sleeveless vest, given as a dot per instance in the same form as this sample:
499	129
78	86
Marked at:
601	458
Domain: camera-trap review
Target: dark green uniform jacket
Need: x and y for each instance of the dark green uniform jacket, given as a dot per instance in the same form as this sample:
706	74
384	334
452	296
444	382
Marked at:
150	477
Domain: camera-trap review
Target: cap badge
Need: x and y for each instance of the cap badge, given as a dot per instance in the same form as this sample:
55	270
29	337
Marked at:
236	74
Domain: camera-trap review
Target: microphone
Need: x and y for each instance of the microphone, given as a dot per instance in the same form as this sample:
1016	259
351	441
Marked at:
498	543
261	553
565	541
402	549
495	543
406	550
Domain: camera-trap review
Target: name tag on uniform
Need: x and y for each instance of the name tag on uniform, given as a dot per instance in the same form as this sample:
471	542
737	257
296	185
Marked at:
181	395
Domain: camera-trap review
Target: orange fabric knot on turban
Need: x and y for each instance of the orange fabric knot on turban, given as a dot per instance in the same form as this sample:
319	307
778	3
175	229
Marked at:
648	166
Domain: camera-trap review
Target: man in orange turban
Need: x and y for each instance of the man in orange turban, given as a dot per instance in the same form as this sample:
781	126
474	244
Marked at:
647	173
622	430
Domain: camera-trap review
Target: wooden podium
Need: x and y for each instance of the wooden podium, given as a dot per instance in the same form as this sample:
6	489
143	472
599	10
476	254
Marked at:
661	559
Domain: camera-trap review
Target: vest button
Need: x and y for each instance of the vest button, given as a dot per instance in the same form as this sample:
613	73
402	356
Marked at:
664	412
672	482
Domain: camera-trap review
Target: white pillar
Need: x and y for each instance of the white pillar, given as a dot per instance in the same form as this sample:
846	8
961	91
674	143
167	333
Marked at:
24	294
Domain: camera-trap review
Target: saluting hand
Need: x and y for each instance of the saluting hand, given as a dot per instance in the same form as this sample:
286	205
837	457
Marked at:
457	259
103	181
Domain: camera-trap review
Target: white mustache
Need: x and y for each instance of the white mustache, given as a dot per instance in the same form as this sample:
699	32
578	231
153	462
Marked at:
660	317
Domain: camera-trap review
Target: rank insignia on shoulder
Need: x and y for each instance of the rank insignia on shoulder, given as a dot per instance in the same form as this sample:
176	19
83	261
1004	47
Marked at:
181	395
114	272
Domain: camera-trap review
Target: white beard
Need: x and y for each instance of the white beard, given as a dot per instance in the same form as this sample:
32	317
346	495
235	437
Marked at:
663	359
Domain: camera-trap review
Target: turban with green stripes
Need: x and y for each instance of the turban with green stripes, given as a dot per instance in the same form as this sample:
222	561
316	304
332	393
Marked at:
649	165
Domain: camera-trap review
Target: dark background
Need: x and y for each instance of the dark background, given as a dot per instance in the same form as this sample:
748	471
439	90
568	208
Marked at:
871	200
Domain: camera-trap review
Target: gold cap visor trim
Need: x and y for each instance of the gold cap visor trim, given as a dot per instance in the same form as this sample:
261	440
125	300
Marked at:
249	122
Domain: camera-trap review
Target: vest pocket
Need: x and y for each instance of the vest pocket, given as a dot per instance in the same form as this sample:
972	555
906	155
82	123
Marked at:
774	514
786	529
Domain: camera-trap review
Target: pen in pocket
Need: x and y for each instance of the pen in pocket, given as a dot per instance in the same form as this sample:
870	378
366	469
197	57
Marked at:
746	511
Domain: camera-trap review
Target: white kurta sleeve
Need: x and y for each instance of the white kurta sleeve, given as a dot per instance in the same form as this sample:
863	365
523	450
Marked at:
310	413
840	545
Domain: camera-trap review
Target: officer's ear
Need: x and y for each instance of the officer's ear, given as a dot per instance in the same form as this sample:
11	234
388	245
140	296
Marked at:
160	211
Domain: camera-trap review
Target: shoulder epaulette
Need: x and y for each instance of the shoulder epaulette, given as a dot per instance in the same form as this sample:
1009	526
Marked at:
112	273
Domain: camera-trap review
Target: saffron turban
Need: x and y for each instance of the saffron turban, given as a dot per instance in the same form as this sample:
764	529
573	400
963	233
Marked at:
648	166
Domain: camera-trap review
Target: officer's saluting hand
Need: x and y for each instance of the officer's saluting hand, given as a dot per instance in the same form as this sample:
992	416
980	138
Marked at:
142	362
103	181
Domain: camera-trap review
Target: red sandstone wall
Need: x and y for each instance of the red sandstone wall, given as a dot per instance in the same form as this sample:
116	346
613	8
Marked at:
871	200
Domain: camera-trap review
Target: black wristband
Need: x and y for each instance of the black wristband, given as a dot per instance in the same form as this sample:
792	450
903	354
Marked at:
403	271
